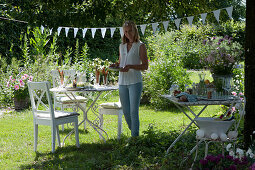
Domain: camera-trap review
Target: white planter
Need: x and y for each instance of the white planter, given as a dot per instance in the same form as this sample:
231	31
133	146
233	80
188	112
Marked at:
211	125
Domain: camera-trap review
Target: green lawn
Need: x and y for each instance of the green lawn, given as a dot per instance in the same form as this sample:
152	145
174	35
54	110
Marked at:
158	129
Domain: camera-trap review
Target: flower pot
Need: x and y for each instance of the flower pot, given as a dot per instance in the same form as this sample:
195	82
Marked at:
22	103
223	84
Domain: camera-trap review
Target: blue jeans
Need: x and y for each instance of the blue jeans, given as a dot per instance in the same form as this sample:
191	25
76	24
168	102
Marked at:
130	96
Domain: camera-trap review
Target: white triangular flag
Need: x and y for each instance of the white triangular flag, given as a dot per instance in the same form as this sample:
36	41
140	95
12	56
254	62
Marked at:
143	27
66	29
177	22
190	20
59	29
217	14
154	27
165	23
121	31
230	10
75	30
112	31
51	31
103	30
93	30
84	32
42	29
203	16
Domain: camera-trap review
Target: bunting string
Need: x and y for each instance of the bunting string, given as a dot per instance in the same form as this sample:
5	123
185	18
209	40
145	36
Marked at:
154	26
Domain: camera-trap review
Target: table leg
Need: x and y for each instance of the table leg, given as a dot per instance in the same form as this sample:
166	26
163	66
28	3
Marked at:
192	121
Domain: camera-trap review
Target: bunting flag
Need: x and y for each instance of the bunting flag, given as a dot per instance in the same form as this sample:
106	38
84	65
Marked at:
84	32
154	27
190	20
103	30
203	16
75	30
165	23
229	11
217	14
112	31
121	31
66	30
93	30
143	27
42	29
59	29
177	22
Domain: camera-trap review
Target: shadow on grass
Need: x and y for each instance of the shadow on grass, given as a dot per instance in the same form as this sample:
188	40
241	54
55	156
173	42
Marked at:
145	151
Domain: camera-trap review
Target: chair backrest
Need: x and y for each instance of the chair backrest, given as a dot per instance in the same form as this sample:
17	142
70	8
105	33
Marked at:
69	76
240	106
41	99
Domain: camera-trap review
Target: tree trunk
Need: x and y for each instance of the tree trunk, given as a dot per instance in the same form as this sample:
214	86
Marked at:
249	122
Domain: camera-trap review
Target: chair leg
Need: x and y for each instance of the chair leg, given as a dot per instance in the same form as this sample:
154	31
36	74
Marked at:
58	137
101	120
76	133
63	125
35	136
84	115
120	123
206	148
53	136
222	148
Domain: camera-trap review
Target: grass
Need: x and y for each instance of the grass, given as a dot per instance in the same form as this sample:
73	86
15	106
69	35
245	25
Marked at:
158	129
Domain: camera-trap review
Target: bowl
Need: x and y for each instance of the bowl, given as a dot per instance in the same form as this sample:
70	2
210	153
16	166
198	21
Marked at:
213	125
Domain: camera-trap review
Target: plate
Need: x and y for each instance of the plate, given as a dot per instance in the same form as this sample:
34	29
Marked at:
114	68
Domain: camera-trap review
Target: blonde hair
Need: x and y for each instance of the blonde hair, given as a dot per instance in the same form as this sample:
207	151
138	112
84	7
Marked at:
134	28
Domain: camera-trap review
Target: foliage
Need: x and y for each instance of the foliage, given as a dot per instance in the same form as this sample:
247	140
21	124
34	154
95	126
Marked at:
221	55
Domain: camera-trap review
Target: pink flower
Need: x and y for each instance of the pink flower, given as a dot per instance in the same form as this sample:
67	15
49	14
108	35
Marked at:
23	77
30	78
13	80
16	87
234	93
21	83
8	84
233	109
26	75
240	94
10	78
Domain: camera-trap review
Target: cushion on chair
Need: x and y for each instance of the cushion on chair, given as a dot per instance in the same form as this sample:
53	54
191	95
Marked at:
65	99
58	114
111	105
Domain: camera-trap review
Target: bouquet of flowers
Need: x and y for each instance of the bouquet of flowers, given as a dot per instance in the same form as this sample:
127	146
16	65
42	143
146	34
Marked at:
221	55
18	85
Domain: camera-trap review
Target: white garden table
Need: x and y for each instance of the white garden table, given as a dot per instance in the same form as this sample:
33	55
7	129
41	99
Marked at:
201	102
70	93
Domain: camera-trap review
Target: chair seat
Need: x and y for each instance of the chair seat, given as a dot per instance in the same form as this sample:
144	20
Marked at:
65	99
111	105
58	114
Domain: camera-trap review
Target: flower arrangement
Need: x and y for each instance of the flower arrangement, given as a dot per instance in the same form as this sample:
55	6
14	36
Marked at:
221	55
18	84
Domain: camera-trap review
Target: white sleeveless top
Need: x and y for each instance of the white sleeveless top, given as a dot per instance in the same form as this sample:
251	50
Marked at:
131	57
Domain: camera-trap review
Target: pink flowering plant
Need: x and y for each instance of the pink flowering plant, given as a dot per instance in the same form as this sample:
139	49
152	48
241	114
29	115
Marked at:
221	55
18	85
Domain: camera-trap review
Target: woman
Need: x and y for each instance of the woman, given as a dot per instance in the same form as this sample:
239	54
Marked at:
132	60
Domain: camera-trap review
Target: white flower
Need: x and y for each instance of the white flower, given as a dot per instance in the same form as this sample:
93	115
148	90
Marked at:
240	152
231	153
228	147
249	153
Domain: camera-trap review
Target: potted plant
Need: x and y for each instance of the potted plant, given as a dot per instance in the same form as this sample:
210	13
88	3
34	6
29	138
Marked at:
18	85
221	55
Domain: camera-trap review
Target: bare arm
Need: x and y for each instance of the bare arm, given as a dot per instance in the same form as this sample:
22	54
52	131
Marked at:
144	59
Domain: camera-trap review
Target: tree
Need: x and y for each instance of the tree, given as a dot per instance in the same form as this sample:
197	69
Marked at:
249	125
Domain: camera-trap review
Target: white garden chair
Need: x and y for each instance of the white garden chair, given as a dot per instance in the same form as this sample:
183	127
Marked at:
44	114
112	108
61	100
